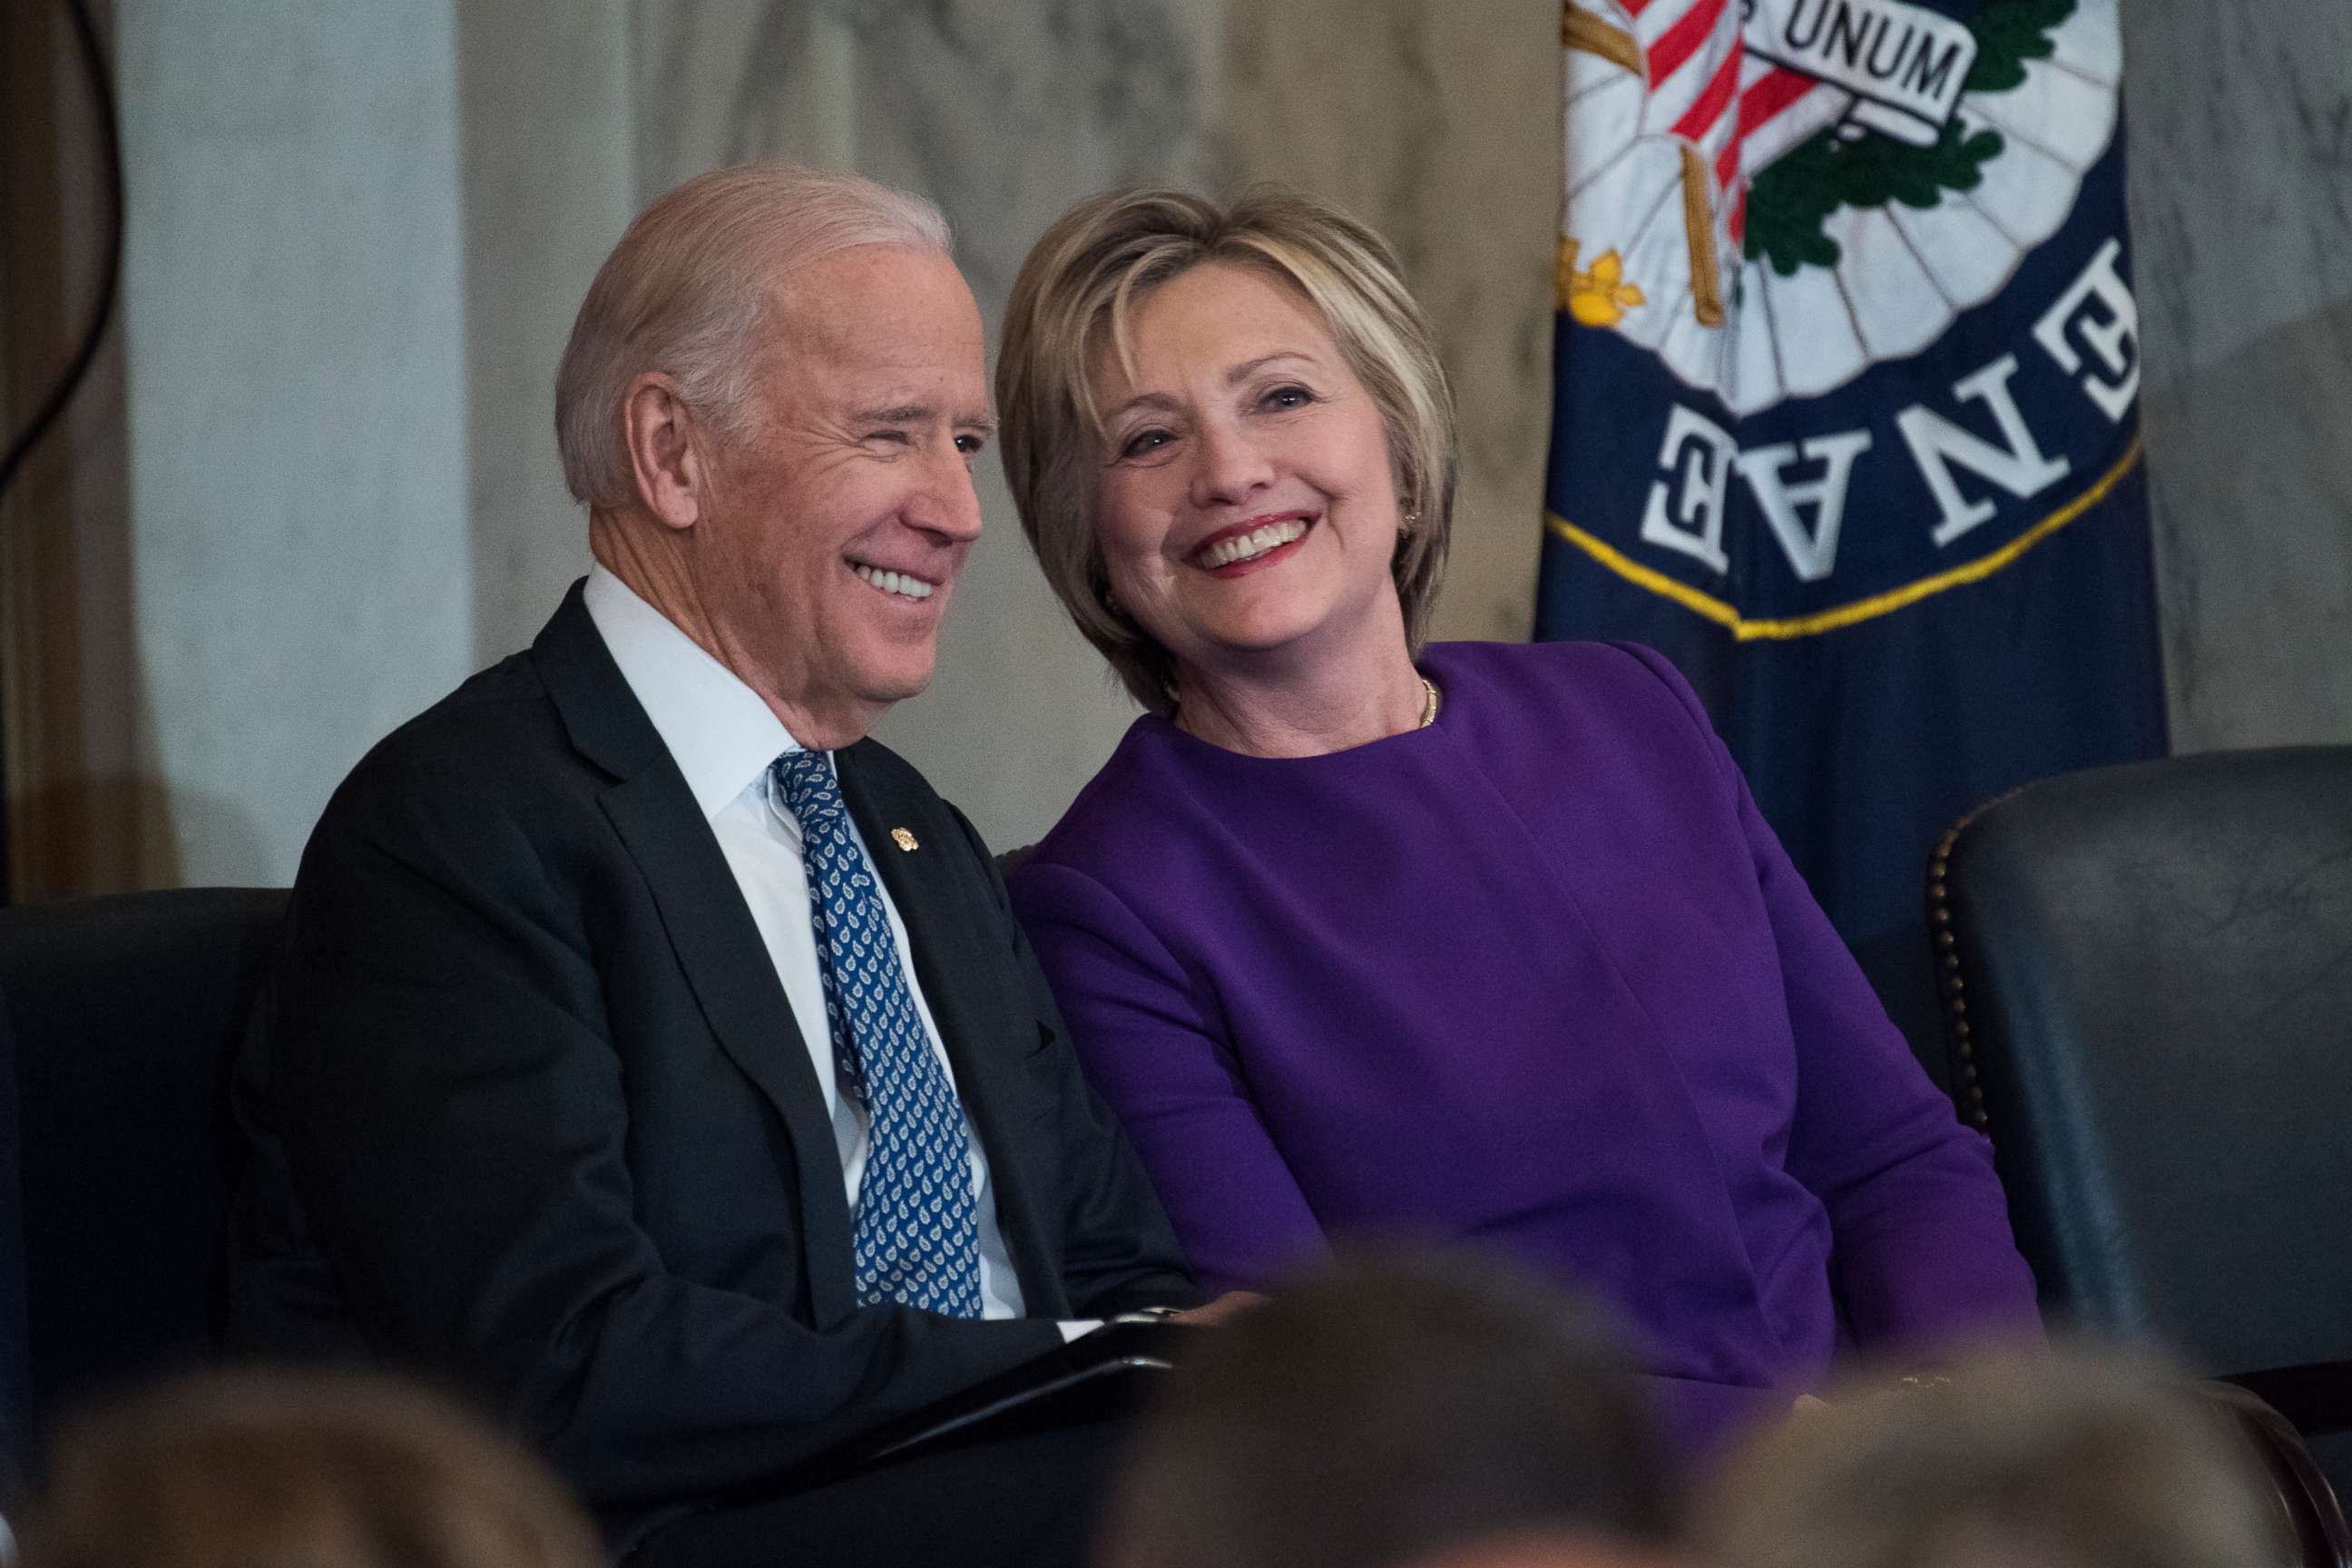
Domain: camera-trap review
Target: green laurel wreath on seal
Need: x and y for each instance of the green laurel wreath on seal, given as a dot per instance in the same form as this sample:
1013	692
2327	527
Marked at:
1789	204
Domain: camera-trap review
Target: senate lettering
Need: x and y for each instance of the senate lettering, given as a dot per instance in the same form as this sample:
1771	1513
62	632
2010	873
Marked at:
2111	334
1971	455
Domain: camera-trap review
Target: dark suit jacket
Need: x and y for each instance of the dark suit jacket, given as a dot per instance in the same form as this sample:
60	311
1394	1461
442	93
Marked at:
532	1111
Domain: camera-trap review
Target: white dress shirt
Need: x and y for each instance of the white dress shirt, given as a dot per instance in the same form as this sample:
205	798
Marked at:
723	737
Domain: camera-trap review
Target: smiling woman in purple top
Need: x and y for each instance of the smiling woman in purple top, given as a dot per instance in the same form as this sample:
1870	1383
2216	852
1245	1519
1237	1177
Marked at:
1473	941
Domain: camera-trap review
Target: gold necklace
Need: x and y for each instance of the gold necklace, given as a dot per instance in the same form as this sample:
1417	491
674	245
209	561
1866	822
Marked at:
1430	699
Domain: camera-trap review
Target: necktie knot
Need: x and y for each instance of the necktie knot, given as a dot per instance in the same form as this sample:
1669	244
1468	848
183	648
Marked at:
811	791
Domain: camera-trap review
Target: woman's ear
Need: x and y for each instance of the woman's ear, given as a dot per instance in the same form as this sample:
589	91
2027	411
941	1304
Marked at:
664	464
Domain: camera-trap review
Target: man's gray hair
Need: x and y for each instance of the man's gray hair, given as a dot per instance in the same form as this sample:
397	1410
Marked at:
686	291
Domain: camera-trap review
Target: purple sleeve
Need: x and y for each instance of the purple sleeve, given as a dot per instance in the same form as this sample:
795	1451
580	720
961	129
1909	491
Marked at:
1169	1074
1922	1251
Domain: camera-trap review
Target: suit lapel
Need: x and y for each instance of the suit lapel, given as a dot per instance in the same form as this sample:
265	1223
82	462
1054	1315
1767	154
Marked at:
963	977
710	929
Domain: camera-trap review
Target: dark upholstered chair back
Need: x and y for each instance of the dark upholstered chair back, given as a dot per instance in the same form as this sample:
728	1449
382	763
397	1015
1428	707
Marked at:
124	1013
2148	973
16	1371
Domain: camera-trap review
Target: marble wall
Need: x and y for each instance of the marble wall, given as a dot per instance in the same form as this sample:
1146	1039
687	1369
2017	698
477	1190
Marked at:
2240	125
294	342
546	142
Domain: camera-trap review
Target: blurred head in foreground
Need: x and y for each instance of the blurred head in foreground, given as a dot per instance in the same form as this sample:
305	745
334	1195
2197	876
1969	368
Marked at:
297	1470
1392	1410
2071	1460
1541	1549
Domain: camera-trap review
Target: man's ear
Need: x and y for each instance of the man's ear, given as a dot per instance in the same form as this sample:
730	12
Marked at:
665	463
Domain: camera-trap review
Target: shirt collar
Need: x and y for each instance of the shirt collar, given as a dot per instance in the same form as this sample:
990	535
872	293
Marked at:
719	732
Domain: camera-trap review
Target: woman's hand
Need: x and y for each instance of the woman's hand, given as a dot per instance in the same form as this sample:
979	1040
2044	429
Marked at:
1224	1310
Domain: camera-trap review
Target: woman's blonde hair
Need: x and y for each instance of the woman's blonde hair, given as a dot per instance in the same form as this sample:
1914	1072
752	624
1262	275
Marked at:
297	1470
1077	296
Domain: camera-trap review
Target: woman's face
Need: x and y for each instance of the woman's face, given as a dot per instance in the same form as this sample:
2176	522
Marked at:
1246	504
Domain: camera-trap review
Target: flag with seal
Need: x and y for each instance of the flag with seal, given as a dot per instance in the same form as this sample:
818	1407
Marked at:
1845	413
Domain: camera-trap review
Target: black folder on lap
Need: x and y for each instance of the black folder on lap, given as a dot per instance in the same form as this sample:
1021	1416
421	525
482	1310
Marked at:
1096	1376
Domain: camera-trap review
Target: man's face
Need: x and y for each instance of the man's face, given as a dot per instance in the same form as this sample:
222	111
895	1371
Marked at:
838	523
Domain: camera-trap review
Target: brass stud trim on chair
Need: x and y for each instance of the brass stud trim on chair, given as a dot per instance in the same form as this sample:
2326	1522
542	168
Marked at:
1941	918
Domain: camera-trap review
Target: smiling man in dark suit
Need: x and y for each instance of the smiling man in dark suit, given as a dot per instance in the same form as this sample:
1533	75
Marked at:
602	1071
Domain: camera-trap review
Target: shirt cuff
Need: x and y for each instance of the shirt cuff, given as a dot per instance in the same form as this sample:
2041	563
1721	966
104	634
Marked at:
1077	1328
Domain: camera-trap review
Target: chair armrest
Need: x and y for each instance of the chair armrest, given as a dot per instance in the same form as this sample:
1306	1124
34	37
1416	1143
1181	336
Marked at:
2314	1517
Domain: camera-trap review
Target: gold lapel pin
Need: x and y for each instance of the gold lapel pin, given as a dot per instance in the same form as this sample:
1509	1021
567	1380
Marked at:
904	839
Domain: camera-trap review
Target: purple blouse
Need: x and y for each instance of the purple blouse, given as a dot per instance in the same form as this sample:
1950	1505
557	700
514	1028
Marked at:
1538	977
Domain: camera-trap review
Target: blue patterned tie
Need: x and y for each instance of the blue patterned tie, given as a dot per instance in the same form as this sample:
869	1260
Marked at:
918	1236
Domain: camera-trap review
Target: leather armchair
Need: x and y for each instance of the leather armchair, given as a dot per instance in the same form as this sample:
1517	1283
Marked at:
2147	974
124	1013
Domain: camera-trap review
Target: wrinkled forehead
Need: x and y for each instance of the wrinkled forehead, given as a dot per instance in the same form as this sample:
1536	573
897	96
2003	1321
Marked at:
879	312
1109	355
